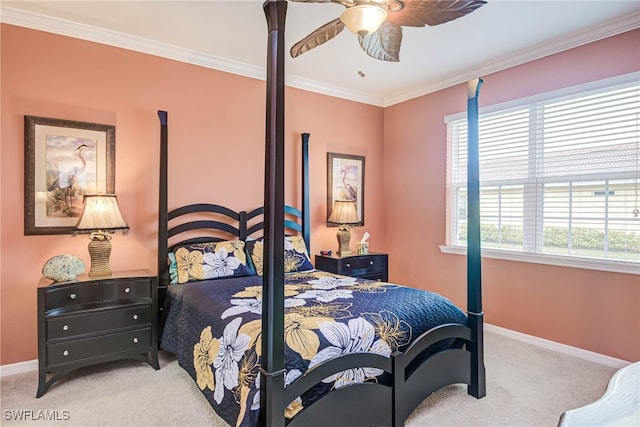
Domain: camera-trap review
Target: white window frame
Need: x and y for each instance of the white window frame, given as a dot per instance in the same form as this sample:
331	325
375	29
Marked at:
529	254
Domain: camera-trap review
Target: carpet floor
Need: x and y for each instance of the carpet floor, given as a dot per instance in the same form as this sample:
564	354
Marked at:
526	386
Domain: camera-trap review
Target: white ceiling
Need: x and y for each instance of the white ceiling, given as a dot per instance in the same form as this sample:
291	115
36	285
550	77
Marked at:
232	36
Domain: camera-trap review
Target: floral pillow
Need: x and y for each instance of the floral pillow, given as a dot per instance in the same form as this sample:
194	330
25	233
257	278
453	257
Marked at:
200	261
295	254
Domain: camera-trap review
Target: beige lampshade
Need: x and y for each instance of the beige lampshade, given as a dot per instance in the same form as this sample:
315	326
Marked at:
344	212
363	19
101	212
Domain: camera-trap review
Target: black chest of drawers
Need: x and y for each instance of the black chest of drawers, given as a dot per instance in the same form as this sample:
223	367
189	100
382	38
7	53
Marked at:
95	320
374	266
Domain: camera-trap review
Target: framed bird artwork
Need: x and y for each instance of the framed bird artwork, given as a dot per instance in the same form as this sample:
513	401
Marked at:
64	160
345	189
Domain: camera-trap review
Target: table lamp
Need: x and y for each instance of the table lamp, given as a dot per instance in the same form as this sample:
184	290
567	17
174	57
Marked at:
100	215
344	213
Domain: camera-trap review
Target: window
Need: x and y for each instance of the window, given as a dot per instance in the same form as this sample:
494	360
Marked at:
559	177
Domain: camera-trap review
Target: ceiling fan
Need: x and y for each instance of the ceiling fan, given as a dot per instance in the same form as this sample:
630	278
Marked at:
378	23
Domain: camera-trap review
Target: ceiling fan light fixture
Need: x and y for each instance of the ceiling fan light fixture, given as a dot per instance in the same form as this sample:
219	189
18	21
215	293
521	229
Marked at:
363	19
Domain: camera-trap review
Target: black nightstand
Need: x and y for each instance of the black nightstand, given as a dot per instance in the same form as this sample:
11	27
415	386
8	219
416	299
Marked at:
96	319
374	266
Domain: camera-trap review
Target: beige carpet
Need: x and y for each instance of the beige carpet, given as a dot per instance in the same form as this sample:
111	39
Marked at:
526	386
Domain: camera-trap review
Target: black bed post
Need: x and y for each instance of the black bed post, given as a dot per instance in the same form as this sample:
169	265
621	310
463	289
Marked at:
477	388
163	271
272	361
306	226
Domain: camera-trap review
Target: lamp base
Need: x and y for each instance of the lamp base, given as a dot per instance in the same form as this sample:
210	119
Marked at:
99	251
344	237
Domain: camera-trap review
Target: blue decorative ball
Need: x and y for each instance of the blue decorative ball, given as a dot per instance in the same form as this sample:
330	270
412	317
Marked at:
62	268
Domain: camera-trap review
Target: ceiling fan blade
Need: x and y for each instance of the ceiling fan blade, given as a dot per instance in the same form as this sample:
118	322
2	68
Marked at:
384	44
418	13
342	2
318	37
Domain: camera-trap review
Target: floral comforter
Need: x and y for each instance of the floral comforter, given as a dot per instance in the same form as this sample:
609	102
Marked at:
214	328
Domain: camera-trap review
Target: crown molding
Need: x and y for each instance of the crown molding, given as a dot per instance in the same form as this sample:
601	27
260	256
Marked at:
90	33
593	34
337	91
77	30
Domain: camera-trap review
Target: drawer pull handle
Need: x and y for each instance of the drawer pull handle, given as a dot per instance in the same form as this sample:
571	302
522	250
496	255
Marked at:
73	296
65	328
127	290
135	317
348	265
135	340
370	262
65	353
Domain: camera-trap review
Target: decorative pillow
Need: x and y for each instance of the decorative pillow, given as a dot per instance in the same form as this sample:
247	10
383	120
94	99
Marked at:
200	261
173	268
295	254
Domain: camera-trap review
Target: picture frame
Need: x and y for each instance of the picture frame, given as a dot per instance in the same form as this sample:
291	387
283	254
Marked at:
345	181
63	161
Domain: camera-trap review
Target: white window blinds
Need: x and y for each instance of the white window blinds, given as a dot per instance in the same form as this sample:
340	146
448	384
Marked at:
559	174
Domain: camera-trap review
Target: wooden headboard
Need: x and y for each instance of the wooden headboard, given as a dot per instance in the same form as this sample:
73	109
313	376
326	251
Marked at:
206	222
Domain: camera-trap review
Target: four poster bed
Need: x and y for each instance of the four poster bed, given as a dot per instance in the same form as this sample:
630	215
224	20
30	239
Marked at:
303	347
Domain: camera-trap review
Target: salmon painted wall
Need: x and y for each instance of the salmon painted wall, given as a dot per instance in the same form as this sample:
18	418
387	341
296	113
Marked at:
593	310
216	142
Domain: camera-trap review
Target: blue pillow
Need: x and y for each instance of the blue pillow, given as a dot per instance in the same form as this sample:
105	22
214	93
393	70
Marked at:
173	268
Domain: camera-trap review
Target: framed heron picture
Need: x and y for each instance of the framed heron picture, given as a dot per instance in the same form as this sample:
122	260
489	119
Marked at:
345	182
64	160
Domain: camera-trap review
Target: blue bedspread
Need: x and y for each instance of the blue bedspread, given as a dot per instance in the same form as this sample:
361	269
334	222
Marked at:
214	328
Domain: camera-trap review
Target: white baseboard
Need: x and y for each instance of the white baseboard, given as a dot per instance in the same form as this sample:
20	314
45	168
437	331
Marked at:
32	365
560	348
18	368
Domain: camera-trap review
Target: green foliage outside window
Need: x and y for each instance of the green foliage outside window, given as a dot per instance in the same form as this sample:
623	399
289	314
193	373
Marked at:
557	237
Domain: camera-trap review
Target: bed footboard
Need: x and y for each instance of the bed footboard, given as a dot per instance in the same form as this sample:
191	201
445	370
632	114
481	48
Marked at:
365	404
362	404
414	378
